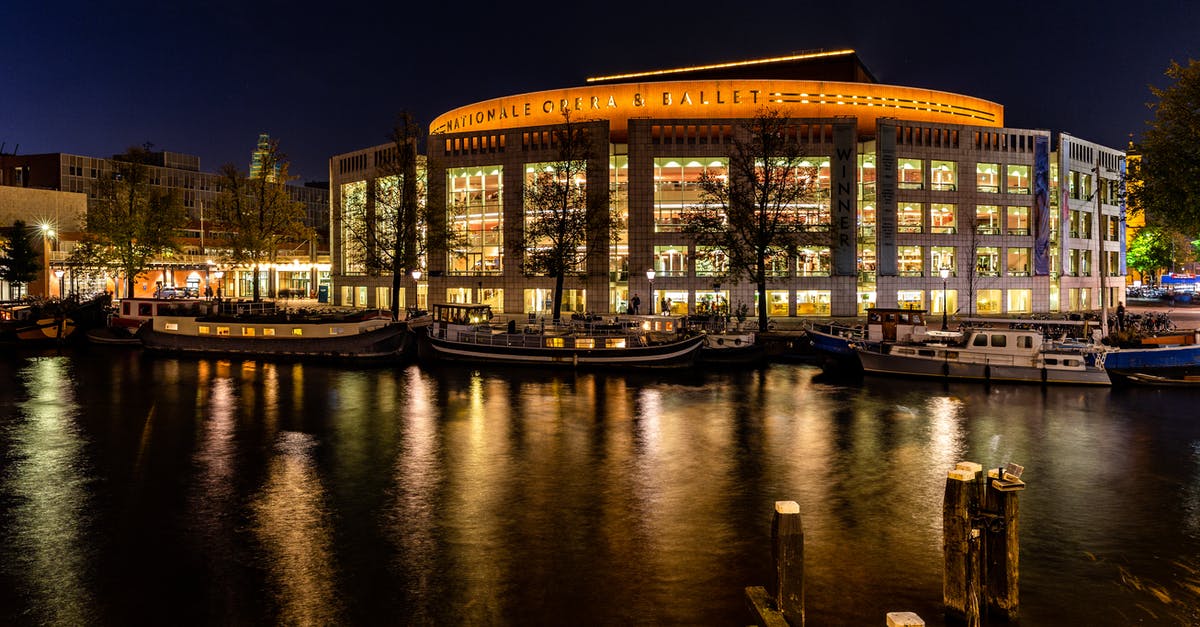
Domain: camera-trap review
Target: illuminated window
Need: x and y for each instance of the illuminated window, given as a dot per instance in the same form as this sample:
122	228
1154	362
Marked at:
987	177
1018	221
910	218
554	342
1020	301
910	173
171	326
813	261
203	330
910	299
474	198
987	261
909	260
585	342
777	302
671	260
1018	179
222	331
988	302
564	185
614	342
248	331
677	187
297	331
942	257
711	261
812	302
944	175
987	219
269	331
1017	262
943	219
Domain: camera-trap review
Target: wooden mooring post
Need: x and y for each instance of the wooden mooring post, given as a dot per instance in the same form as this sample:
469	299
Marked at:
980	542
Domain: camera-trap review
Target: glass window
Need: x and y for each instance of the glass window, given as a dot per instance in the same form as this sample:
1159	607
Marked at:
677	187
910	173
866	300
671	260
1018	221
987	261
813	210
910	218
909	260
777	302
944	174
987	177
777	265
941	257
910	299
866	220
476	214
942	218
711	261
866	175
1020	301
812	302
1018	262
987	219
1018	179
814	261
988	302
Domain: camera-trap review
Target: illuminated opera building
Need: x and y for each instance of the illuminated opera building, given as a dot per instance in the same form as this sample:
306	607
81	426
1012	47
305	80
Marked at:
928	200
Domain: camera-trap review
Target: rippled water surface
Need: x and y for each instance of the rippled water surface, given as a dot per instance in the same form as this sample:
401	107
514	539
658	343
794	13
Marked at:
136	490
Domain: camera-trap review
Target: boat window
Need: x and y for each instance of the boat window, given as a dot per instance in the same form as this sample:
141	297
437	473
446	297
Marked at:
222	330
171	326
1051	361
1070	362
297	331
980	340
926	352
554	342
247	331
1025	341
951	354
269	331
999	341
585	342
145	309
203	330
615	342
336	330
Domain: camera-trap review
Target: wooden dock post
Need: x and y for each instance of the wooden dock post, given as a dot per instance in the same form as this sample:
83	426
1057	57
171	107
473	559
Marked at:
1002	548
787	552
958	505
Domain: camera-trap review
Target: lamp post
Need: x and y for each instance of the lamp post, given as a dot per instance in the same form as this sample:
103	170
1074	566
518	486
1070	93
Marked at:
416	275
59	275
650	277
945	274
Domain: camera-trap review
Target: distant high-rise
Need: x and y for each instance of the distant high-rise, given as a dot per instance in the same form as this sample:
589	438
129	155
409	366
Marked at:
259	156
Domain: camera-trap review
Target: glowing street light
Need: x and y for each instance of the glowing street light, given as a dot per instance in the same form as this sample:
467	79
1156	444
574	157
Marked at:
650	277
945	273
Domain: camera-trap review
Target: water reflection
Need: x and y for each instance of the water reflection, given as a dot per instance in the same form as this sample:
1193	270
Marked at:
294	528
45	487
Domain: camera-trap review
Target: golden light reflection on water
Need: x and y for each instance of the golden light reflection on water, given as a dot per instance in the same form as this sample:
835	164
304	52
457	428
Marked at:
293	525
47	481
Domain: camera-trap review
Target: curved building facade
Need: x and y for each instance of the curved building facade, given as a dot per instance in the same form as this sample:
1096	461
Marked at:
912	181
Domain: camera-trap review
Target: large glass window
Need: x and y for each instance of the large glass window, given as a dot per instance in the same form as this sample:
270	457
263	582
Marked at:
476	215
987	261
1018	262
987	219
777	303
910	218
618	202
987	177
354	220
813	261
813	212
944	174
942	257
1018	179
671	260
1020	301
866	175
909	260
556	177
988	302
910	173
942	218
1018	221
910	299
677	188
812	302
711	262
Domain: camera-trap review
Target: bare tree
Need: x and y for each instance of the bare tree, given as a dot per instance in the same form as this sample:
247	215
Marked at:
563	218
755	212
256	215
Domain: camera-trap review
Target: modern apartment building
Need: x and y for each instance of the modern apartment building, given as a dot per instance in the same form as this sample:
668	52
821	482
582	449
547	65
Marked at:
915	183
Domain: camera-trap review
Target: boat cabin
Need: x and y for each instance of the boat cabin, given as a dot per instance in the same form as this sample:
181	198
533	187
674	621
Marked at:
462	314
132	312
896	325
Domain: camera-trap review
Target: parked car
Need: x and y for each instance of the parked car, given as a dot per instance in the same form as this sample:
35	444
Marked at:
172	292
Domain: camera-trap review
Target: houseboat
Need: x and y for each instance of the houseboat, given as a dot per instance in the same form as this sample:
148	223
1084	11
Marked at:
835	342
460	332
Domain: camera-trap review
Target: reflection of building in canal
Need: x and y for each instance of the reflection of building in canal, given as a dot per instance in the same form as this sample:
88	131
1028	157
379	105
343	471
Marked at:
910	181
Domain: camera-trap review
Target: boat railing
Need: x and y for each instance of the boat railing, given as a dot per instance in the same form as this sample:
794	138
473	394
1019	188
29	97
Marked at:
487	337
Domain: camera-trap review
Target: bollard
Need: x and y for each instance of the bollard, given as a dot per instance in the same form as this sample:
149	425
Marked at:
904	619
957	505
787	552
1001	545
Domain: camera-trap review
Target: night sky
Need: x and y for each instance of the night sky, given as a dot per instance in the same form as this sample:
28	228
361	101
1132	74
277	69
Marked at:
206	78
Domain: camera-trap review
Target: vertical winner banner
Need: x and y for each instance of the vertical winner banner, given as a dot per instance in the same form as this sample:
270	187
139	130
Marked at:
885	214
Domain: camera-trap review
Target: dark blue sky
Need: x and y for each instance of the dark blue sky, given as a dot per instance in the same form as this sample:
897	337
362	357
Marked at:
206	77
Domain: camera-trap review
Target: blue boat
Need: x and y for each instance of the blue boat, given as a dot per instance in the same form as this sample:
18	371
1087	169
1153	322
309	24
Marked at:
837	342
1167	355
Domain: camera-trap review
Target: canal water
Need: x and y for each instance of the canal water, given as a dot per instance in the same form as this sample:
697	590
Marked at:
139	490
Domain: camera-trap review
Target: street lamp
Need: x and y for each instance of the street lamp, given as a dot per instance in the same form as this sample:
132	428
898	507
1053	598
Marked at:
650	277
945	274
416	275
59	274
